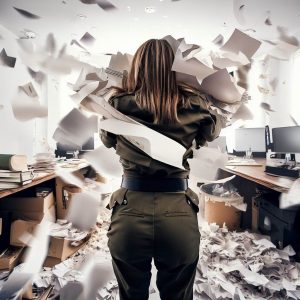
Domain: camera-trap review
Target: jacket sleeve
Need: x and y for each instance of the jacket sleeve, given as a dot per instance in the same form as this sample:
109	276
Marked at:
108	139
210	125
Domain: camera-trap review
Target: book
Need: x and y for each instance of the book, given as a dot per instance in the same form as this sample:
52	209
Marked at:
11	185
15	176
13	162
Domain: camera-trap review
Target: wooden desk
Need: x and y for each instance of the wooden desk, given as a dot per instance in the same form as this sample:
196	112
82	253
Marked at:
257	174
40	178
251	178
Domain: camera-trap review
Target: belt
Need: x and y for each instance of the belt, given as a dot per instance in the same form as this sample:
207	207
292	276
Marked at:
154	185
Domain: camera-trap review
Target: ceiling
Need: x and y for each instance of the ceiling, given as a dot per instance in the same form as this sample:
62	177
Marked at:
127	26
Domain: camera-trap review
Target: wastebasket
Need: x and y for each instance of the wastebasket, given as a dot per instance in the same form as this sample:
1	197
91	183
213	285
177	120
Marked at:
222	209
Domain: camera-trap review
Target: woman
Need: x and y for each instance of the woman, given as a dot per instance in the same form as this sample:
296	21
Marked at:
154	212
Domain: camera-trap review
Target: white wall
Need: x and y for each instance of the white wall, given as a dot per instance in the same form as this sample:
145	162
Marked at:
15	136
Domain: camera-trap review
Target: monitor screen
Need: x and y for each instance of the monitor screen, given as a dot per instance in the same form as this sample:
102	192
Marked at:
253	138
286	139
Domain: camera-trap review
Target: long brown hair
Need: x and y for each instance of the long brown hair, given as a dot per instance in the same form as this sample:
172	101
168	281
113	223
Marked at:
154	83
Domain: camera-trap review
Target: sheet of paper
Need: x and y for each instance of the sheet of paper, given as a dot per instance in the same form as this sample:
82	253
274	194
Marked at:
70	178
100	106
77	126
83	219
238	11
219	180
76	43
218	40
229	59
71	291
38	248
243	113
26	13
50	46
292	197
96	273
38	76
15	282
88	39
173	42
105	161
120	62
26	108
241	42
85	91
283	50
205	163
61	136
221	86
189	79
191	66
105	5
6	60
29	90
149	141
188	50
286	37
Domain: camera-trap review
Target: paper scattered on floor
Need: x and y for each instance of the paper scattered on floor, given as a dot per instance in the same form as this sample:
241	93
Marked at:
241	265
89	270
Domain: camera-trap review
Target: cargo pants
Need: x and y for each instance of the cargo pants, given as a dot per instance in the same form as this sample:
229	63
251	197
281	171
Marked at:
158	226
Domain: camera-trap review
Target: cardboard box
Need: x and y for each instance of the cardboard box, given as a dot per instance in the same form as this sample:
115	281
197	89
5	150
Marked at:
18	228
61	248
30	204
10	258
49	215
64	193
50	261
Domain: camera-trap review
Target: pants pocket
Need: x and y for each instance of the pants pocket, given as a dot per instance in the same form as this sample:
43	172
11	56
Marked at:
177	214
131	212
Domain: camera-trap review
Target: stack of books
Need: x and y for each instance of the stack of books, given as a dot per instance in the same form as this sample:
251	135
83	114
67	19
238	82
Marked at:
14	179
14	171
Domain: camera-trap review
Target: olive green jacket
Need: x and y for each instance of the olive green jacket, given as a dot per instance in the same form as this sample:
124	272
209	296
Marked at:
196	122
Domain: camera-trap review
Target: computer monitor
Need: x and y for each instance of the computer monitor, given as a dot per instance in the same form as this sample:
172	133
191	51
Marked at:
246	138
286	139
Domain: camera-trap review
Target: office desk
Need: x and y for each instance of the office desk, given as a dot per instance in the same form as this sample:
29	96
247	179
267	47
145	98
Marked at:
251	178
257	174
40	178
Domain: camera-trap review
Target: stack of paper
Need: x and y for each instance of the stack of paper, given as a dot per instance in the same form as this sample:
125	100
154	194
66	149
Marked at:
44	162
